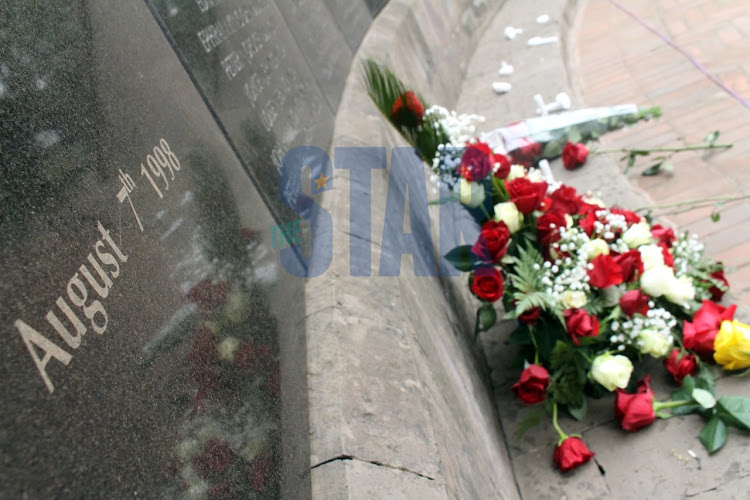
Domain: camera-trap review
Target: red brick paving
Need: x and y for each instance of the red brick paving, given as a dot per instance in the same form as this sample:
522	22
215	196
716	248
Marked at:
615	57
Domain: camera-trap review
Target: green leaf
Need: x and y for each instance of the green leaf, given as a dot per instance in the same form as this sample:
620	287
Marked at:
706	378
486	316
714	434
578	413
652	170
531	420
685	393
711	138
569	375
735	410
715	216
631	162
704	398
461	258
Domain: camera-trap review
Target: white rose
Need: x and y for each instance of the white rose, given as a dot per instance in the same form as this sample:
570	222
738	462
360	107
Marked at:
568	221
594	201
651	256
653	343
470	193
595	248
680	290
612	371
516	171
637	235
570	299
508	213
656	281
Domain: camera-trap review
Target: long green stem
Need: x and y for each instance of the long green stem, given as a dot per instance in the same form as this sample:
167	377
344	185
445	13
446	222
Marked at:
660	150
555	424
671	404
709	200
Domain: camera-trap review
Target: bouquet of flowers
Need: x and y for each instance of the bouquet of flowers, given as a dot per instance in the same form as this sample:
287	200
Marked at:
595	290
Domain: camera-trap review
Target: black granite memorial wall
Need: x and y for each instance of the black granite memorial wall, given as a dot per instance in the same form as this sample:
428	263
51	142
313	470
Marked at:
153	345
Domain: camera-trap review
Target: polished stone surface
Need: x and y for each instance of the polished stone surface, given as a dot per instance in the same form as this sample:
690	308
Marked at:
151	343
271	88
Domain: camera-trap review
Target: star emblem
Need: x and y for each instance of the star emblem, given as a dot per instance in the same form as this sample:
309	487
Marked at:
320	182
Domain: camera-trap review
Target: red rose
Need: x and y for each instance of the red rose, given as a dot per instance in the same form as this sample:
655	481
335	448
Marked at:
634	301
571	453
630	217
527	154
208	297
606	272
481	146
663	234
565	199
548	227
668	259
526	195
631	264
635	411
531	316
532	386
492	241
261	471
716	292
501	166
408	110
214	458
475	164
487	284
253	358
699	335
574	155
580	323
682	367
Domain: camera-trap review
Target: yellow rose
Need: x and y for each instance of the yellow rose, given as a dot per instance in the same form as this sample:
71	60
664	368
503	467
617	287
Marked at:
732	345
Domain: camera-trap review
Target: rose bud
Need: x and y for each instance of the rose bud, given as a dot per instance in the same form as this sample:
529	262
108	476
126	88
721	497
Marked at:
631	264
531	316
635	411
532	386
574	155
475	164
580	323
571	453
606	272
500	166
663	234
487	283
718	292
699	335
634	302
408	110
682	367
526	195
492	241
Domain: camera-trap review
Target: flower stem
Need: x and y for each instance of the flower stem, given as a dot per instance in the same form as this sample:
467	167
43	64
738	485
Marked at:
560	432
660	150
709	200
671	404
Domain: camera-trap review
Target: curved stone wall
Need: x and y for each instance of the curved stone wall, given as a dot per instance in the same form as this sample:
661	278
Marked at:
398	398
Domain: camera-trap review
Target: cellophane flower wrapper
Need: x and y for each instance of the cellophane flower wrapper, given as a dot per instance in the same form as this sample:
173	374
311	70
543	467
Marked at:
544	137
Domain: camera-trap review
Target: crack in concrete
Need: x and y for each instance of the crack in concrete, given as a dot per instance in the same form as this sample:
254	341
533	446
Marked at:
371	462
715	488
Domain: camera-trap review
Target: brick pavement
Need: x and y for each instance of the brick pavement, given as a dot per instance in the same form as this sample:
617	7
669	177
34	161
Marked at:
615	59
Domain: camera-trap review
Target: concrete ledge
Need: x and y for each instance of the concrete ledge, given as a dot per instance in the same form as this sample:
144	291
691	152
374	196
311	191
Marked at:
399	404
